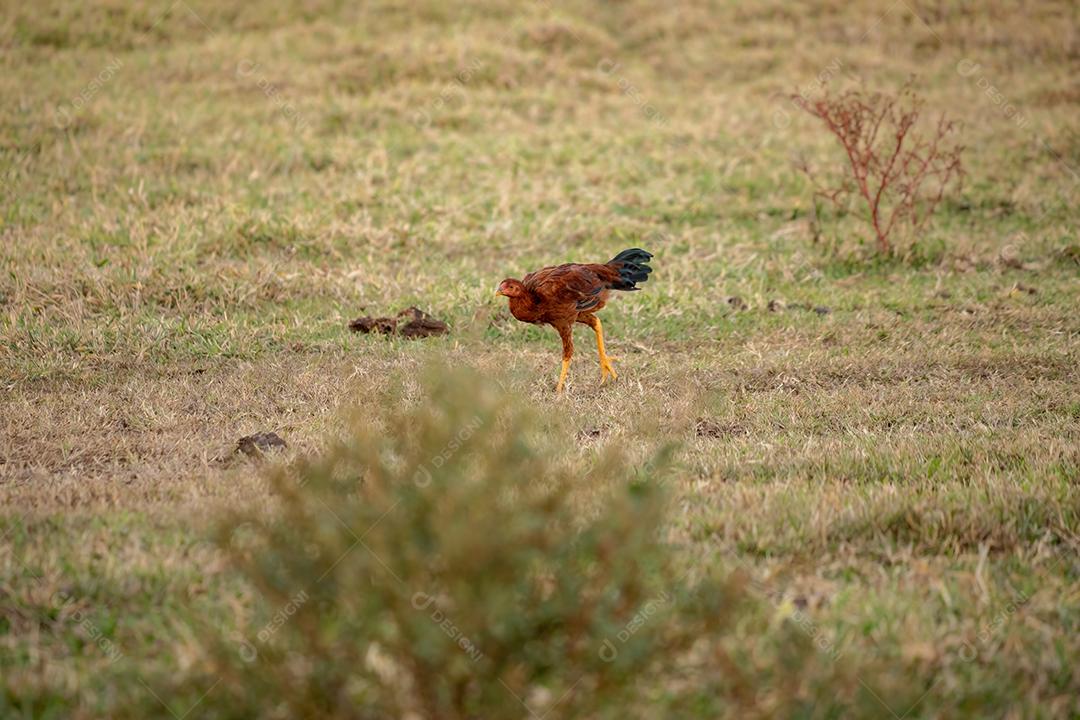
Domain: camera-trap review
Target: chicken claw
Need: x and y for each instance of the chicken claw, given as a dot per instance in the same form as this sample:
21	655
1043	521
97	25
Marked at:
606	368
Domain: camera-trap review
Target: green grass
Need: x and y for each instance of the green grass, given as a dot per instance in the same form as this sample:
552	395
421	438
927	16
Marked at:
179	258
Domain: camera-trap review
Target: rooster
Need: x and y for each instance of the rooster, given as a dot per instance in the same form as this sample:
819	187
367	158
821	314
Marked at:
565	294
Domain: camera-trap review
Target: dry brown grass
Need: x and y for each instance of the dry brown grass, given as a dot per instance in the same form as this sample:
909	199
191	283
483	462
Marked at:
177	267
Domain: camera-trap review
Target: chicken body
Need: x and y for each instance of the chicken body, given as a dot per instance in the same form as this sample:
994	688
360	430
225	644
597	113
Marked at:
572	293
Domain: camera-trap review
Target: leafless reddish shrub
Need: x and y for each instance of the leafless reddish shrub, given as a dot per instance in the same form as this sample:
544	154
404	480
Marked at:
899	172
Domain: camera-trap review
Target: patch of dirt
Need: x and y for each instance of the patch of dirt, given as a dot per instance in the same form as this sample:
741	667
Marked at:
713	429
383	325
259	443
777	305
412	323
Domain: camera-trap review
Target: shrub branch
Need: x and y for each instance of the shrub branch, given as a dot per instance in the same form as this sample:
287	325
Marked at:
900	174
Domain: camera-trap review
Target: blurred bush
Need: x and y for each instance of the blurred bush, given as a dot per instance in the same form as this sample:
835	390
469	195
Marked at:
438	564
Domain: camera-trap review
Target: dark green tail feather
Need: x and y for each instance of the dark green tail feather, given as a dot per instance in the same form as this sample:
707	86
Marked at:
633	268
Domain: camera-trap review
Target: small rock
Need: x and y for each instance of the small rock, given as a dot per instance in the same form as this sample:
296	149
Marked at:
736	302
259	443
776	305
822	310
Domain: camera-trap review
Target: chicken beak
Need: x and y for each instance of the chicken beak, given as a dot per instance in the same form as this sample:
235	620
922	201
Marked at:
498	293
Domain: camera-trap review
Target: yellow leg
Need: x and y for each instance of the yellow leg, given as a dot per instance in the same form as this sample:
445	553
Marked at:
605	360
562	375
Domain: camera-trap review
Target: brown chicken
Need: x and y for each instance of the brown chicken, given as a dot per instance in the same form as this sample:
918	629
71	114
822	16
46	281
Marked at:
565	294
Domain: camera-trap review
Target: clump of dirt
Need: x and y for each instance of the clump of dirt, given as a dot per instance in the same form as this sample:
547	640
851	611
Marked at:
706	427
259	443
412	322
818	309
420	324
383	325
777	305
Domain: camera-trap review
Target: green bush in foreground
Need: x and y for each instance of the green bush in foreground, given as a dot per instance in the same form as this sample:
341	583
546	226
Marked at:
441	567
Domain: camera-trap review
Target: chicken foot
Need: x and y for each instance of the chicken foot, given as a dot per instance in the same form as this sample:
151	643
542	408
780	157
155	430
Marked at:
606	368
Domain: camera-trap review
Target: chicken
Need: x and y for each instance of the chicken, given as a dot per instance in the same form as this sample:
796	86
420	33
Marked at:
565	294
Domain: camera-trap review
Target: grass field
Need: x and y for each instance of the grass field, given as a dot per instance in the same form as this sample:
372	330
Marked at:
198	196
